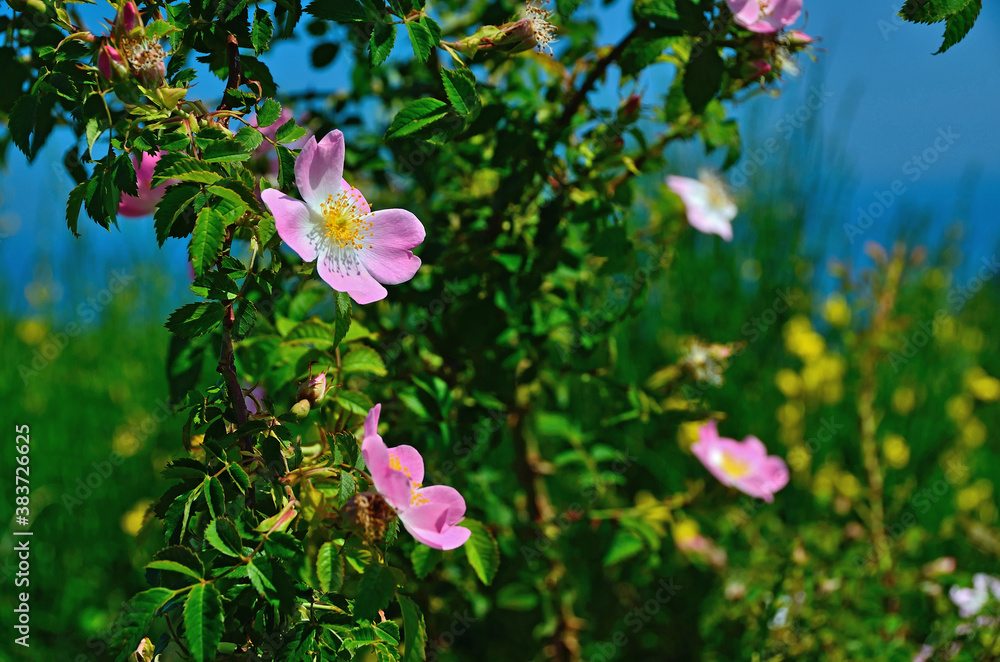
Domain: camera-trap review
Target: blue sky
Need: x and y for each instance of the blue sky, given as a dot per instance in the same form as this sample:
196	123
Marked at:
886	101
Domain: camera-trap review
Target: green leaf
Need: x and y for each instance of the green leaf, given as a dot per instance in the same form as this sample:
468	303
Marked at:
203	624
354	402
172	566
414	631
658	11
324	53
215	496
460	86
268	113
416	117
221	534
380	45
246	317
289	132
224	151
250	138
177	210
348	486
261	32
73	204
425	35
195	319
311	332
424	559
481	550
184	168
703	78
343	321
330	568
286	167
259	572
22	122
624	545
364	359
960	24
240	477
931	11
207	239
182	556
138	616
566	7
342	11
376	588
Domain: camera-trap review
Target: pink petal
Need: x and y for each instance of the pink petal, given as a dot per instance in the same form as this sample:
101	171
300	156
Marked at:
343	271
371	421
429	524
448	496
319	168
293	219
376	455
451	538
745	11
411	462
394	233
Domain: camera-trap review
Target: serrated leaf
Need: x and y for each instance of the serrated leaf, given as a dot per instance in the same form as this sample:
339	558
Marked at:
460	87
354	402
245	318
183	168
380	45
203	624
330	568
225	151
172	566
343	322
269	112
289	132
195	319
250	138
348	486
240	477
177	210
311	332
138	615
22	122
703	78
221	534
425	35
261	32
959	25
415	118
183	556
206	239
376	588
481	550
424	560
414	631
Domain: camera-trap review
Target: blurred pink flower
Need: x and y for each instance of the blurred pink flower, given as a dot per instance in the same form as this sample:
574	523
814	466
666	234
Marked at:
356	249
744	465
145	203
255	396
430	514
765	15
708	205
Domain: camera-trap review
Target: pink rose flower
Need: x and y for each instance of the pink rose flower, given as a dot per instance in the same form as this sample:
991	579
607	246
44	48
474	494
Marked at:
145	203
356	249
431	513
709	207
765	15
744	465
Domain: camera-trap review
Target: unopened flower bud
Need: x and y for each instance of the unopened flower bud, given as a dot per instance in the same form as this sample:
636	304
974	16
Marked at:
758	69
629	109
799	39
128	19
110	63
532	30
313	389
301	408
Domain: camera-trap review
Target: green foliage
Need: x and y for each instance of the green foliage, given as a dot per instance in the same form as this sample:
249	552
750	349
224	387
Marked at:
540	360
958	16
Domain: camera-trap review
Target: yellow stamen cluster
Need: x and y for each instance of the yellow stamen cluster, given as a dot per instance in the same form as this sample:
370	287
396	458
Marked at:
144	56
416	499
348	227
538	19
733	467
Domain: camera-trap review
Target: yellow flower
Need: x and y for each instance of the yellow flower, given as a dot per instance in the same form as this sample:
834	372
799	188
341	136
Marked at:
836	311
848	485
896	450
959	408
801	340
904	399
788	382
973	433
982	386
790	414
687	433
132	521
31	332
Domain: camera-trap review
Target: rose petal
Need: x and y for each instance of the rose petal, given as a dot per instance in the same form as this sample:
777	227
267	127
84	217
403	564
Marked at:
410	460
449	496
294	222
343	271
389	259
319	168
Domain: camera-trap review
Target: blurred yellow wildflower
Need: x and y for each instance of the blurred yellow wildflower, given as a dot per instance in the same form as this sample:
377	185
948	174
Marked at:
801	340
789	383
973	433
687	434
836	311
896	450
31	332
904	399
132	520
959	407
982	386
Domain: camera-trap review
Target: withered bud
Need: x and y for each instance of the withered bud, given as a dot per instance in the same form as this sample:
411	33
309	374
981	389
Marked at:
369	514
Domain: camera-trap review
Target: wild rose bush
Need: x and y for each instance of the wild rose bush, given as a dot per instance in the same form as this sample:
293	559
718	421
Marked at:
461	279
